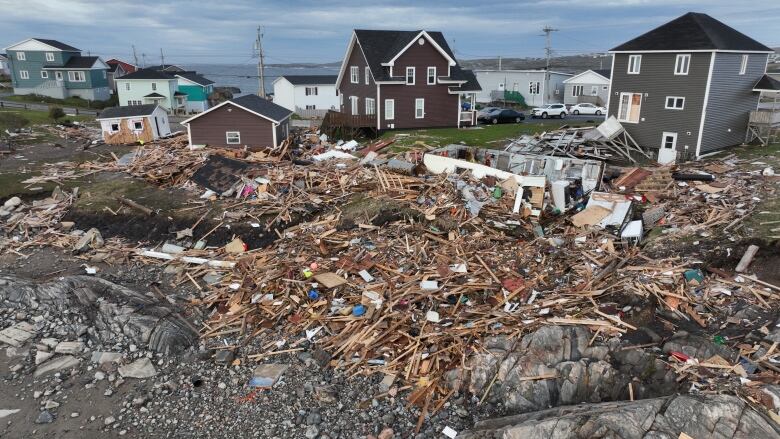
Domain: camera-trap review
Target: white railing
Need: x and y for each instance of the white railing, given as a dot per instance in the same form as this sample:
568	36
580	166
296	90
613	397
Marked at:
467	116
310	114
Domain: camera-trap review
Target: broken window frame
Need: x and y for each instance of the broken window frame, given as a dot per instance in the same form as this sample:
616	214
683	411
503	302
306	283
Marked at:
136	126
630	116
111	127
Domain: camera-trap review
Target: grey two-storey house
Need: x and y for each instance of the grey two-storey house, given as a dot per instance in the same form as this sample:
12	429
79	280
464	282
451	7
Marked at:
54	69
687	87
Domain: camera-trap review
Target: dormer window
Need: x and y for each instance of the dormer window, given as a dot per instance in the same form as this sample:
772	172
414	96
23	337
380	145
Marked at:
410	75
681	64
634	63
49	57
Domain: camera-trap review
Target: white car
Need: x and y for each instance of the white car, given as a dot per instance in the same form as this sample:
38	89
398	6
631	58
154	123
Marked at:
549	110
587	109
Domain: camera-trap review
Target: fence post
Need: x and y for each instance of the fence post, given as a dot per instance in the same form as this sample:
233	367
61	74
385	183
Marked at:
77	111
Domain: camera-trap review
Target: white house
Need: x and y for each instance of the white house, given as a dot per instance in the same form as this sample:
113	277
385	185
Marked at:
590	86
4	70
130	124
306	92
147	86
530	84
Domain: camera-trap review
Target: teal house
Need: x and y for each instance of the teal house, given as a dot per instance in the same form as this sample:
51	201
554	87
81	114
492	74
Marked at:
51	68
197	88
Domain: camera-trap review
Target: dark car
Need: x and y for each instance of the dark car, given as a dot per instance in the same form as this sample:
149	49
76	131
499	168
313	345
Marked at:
502	116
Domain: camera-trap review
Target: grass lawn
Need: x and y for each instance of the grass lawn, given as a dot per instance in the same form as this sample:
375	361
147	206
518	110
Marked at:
42	117
489	136
67	102
768	210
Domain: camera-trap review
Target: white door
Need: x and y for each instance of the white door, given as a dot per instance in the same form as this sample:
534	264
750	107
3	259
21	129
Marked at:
668	152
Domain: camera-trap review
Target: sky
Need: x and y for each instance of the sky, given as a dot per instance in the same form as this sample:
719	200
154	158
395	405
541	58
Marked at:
294	31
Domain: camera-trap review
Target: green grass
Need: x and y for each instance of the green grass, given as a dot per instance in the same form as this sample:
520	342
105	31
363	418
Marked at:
42	117
769	205
67	102
489	136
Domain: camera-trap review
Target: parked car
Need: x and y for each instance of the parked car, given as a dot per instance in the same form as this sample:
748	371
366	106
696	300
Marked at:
487	110
502	116
549	110
587	109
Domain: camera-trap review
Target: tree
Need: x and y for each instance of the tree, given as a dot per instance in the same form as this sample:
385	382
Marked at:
56	113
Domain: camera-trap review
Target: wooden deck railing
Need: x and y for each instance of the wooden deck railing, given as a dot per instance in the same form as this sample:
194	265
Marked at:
336	118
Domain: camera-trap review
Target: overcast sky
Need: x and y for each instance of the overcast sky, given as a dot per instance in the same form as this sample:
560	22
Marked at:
223	31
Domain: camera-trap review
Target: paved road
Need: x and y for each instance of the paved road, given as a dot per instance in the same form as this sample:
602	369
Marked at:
45	107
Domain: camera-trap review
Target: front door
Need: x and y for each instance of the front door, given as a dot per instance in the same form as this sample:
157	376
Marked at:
668	152
58	76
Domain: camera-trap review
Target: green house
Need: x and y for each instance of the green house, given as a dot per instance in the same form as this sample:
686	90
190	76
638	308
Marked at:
51	68
197	88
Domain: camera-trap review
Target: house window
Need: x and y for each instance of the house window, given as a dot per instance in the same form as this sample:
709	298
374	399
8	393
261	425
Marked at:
675	103
311	91
127	86
366	74
138	125
419	108
44	74
354	103
21	56
354	75
576	90
114	127
233	137
77	76
410	75
154	86
311	107
630	106
669	140
24	74
49	57
594	90
743	66
389	109
533	87
370	106
105	74
681	64
431	75
634	63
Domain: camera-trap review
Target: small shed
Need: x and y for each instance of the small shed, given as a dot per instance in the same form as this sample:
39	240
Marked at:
122	125
249	122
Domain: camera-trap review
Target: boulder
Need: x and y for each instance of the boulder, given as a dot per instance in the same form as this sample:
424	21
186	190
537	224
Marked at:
142	368
57	365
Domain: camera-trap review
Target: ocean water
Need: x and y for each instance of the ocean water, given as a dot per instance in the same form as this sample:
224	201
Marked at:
244	76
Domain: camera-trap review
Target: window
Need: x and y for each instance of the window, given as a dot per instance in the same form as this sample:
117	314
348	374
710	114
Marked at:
674	103
127	86
743	66
389	109
533	87
681	64
114	127
233	137
419	108
370	106
629	108
354	103
154	86
44	74
576	90
311	91
354	75
634	63
594	90
105	73
669	140
410	75
131	102
431	75
77	76
21	56
24	74
49	57
138	125
366	74
311	107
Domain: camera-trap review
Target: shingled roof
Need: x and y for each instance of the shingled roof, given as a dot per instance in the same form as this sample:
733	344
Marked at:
57	44
128	111
693	31
767	83
76	62
380	46
148	74
311	79
194	77
263	106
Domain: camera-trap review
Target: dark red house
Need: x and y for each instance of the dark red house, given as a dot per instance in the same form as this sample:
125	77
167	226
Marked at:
405	79
249	122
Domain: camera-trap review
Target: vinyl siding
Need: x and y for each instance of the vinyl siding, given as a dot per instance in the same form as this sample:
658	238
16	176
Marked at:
602	94
210	128
730	100
361	90
655	82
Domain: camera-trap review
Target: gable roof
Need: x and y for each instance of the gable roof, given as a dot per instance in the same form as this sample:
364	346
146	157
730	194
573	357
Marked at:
77	62
253	104
194	77
128	111
166	68
603	73
310	79
51	43
693	31
148	74
126	66
767	83
382	46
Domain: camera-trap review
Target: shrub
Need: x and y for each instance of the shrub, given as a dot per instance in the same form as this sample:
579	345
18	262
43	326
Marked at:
56	113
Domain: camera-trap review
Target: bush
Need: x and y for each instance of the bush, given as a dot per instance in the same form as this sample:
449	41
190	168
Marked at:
56	113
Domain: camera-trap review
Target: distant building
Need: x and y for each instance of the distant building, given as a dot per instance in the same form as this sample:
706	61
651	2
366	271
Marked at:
117	69
54	69
147	86
197	88
125	125
4	69
306	92
688	86
590	86
516	85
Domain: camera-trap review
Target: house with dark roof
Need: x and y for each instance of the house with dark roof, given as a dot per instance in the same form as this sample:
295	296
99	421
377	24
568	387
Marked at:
196	87
132	124
532	87
147	86
588	87
405	79
50	68
686	88
300	93
116	69
247	122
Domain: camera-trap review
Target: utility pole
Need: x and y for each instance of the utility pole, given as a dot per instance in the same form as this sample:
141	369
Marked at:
162	59
499	62
135	55
143	60
258	52
548	53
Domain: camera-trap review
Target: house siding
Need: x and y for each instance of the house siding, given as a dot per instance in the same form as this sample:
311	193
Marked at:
361	90
519	81
441	107
655	82
731	99
210	128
